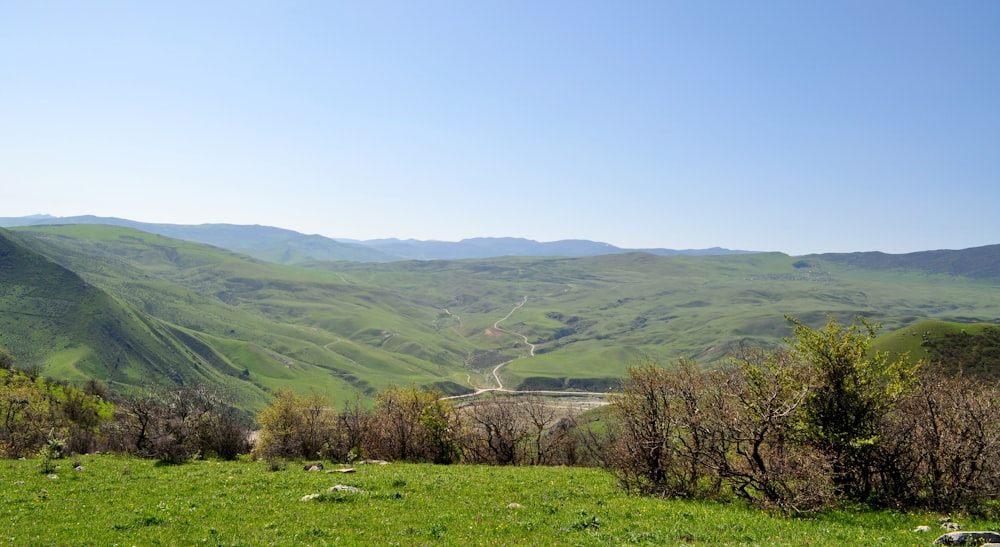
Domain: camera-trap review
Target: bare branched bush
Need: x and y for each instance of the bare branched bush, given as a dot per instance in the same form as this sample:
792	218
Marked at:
754	410
497	431
294	427
347	438
662	438
940	445
178	425
411	424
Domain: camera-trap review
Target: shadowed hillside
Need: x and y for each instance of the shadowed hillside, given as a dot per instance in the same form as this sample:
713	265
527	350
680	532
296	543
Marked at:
975	263
54	321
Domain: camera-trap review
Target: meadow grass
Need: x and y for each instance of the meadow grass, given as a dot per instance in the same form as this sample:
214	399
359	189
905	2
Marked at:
125	501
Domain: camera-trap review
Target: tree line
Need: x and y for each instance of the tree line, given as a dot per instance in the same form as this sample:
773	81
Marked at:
826	420
418	425
174	426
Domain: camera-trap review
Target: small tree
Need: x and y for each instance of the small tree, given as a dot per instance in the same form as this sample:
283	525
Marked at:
497	431
662	437
294	427
412	424
6	360
27	416
754	409
856	387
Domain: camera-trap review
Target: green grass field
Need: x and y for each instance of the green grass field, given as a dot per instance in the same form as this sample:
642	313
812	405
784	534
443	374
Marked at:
124	501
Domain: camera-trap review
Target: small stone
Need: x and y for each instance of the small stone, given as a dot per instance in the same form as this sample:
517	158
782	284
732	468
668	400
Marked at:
53	477
514	506
923	528
308	497
967	538
78	468
345	488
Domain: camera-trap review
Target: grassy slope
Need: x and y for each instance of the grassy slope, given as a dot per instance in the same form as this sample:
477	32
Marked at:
288	327
54	319
910	338
127	501
592	316
335	328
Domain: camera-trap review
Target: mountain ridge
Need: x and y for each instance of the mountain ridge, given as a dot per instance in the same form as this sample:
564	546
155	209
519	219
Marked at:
285	246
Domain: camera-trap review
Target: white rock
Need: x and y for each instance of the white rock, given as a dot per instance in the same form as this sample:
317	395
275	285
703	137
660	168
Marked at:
345	488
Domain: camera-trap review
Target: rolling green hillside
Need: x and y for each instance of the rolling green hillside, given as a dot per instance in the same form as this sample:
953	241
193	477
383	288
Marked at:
340	328
52	319
281	326
969	348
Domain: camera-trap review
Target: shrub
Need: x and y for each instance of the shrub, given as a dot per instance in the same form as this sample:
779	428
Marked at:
939	448
855	389
294	427
411	424
755	409
662	437
176	426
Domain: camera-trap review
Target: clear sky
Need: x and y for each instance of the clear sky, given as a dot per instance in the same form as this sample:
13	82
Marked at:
793	126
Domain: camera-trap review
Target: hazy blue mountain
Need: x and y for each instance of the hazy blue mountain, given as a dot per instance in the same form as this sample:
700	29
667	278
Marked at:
977	262
262	242
290	247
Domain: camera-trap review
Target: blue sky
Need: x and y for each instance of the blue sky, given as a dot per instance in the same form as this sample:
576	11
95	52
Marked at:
790	126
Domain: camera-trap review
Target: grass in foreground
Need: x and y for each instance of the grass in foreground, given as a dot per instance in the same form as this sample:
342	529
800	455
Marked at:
115	500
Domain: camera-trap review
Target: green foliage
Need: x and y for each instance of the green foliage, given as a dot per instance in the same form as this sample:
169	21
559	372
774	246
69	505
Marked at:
855	389
35	411
51	451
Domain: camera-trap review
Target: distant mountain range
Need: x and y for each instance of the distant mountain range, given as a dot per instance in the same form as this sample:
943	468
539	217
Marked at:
289	247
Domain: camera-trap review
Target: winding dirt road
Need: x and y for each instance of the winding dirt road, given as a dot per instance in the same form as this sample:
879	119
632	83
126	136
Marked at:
531	353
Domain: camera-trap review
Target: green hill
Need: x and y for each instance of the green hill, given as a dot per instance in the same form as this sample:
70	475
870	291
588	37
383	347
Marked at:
342	328
280	326
53	320
969	348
